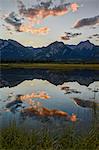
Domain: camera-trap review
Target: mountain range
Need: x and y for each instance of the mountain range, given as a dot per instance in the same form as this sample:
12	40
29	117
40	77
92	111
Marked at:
13	77
12	51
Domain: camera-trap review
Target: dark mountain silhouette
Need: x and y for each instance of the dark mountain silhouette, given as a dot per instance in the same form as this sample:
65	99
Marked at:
13	77
11	50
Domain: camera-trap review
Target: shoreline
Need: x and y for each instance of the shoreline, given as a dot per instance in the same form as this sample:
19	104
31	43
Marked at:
54	66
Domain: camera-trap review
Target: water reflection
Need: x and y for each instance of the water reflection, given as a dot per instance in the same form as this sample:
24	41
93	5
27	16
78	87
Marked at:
35	107
41	96
13	77
85	103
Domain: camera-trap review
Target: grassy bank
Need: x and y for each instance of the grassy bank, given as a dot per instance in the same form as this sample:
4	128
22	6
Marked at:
49	66
13	138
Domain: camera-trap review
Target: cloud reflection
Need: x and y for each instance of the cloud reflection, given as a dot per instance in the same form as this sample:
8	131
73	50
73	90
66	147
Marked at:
48	112
41	95
34	107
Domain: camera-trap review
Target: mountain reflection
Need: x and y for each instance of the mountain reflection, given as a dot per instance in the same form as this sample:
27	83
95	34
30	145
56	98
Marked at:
41	101
13	77
85	103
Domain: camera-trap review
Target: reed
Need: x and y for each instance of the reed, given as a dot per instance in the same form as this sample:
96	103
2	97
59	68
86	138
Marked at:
14	138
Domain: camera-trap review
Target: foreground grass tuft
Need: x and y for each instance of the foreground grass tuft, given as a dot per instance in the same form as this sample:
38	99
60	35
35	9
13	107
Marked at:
14	138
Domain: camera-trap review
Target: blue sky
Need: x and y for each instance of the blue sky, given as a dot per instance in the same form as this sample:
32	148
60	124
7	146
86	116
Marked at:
39	22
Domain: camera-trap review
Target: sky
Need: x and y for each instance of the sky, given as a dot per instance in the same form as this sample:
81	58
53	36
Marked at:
38	23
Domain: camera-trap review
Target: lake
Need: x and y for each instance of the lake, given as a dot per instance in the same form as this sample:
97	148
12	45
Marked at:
54	99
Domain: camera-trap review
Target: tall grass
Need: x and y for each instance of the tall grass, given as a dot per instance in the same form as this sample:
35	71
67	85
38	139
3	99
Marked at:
14	138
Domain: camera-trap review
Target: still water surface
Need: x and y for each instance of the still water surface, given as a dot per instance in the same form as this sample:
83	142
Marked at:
73	94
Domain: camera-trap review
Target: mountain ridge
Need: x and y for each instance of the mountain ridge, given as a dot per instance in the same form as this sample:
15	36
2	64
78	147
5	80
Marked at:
85	51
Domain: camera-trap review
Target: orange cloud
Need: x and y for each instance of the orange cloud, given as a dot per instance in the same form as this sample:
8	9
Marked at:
27	28
37	13
41	13
41	95
73	118
37	18
48	112
74	7
36	108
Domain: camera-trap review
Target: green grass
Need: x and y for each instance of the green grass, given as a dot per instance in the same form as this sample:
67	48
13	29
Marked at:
14	138
50	66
